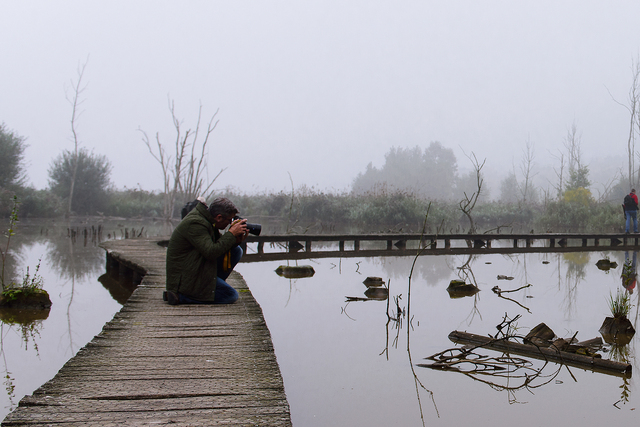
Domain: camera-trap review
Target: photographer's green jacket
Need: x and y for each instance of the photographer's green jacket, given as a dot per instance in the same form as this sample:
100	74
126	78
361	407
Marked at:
194	248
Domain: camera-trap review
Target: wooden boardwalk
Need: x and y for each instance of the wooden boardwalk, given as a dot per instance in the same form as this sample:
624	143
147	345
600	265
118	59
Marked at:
305	246
156	364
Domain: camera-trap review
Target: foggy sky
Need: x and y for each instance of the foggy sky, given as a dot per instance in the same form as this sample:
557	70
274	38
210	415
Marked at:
316	89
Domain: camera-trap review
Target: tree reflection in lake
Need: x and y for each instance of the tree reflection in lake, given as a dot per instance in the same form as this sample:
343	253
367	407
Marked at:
333	368
33	352
341	366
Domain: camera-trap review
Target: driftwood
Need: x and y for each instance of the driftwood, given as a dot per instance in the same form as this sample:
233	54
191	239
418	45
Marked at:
295	272
596	364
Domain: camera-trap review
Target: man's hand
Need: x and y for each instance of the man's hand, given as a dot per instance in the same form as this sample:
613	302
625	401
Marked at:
239	230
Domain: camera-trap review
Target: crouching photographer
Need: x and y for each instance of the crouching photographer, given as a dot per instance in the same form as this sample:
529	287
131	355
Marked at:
200	257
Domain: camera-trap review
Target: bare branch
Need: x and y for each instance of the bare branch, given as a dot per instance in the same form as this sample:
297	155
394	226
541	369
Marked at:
75	102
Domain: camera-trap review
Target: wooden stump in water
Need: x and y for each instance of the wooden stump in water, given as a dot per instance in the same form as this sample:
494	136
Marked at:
295	272
376	293
606	265
460	289
373	281
617	330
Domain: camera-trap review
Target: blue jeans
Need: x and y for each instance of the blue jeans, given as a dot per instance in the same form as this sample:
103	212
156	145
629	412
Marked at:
629	215
225	293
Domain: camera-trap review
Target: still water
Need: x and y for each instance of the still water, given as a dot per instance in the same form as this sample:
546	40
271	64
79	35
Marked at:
71	270
355	363
346	363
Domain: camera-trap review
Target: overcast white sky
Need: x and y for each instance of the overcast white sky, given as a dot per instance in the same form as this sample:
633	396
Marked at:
317	89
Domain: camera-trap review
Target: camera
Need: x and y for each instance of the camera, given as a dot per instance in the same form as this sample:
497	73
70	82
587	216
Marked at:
254	229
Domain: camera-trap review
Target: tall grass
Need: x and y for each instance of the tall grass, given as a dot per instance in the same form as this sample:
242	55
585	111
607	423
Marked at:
620	304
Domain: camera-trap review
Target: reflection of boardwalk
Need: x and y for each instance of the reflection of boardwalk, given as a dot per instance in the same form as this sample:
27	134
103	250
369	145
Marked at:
156	364
303	246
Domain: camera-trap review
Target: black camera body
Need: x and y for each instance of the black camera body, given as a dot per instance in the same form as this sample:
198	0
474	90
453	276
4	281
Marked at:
254	229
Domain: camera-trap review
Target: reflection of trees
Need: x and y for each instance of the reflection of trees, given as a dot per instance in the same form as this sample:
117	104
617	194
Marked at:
418	384
465	273
575	263
73	261
28	331
8	379
431	269
502	373
19	243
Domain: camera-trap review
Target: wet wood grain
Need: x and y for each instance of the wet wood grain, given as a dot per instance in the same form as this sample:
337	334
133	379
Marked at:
156	364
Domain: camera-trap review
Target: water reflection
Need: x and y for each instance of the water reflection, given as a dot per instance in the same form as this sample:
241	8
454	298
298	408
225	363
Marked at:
575	264
629	271
505	373
34	345
416	319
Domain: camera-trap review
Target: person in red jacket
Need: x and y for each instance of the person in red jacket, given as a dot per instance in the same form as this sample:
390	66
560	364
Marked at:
631	211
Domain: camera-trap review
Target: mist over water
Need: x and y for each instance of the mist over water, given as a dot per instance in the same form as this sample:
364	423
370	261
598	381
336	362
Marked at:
302	86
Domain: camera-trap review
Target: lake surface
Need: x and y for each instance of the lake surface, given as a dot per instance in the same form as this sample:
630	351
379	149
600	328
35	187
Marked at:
81	304
347	363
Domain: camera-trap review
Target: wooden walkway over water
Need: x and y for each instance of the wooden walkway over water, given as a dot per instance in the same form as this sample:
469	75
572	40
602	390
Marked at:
156	364
303	246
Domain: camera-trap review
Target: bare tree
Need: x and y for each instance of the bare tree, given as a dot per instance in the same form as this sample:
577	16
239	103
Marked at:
572	143
560	174
633	108
76	101
469	202
526	167
185	173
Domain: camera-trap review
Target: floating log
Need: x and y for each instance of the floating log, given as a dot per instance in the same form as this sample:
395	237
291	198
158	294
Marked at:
295	272
595	364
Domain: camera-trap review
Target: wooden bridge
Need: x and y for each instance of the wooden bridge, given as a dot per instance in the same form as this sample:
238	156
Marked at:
156	364
303	246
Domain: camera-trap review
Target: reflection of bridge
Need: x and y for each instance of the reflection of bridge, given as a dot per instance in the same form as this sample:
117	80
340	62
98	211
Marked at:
304	246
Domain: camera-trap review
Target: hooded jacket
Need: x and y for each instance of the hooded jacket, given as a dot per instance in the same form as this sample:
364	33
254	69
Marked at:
192	254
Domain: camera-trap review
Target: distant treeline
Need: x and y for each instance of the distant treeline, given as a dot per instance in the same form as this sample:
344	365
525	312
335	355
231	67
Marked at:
307	210
415	189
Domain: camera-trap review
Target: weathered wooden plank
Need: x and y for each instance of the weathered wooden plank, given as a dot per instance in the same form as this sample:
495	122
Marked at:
197	365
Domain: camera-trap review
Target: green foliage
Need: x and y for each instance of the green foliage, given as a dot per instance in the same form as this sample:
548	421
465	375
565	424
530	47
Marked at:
575	216
133	203
578	178
413	170
579	195
10	232
40	204
91	184
30	285
12	169
620	304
